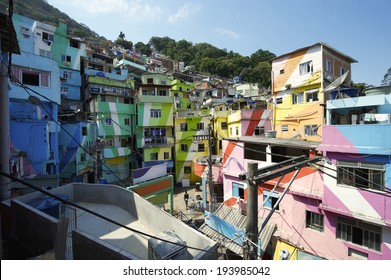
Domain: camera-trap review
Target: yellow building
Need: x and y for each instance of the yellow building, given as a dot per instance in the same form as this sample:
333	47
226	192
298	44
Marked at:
298	82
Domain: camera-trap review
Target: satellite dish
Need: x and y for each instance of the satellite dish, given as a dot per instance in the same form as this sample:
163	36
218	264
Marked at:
339	81
34	100
284	254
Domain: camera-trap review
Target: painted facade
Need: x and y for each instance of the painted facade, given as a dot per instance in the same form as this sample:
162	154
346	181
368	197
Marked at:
356	202
298	82
76	145
304	193
35	74
155	123
249	122
191	142
182	91
67	52
112	110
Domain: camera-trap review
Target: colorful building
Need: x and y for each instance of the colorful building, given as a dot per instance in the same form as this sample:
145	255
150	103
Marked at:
191	142
298	82
182	91
111	108
249	122
155	123
356	206
34	92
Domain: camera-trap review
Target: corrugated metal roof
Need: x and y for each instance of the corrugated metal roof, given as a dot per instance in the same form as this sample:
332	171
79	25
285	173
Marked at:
234	217
277	141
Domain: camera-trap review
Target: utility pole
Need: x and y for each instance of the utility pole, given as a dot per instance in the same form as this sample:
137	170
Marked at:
252	212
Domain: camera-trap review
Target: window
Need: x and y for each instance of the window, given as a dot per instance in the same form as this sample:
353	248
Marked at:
284	128
201	147
183	126
47	38
74	44
31	77
224	125
237	190
184	148
200	126
126	101
328	66
310	130
341	71
166	155
279	100
230	131
220	144
45	53
162	93
187	169
271	201
108	121
314	221
298	98
259	130
127	121
84	131
359	233
311	95
154	156
66	59
103	98
361	174
237	130
67	75
306	67
282	71
64	90
83	157
150	81
156	113
109	142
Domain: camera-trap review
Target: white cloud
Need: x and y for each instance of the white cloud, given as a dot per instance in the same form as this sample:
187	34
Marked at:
134	10
228	33
186	11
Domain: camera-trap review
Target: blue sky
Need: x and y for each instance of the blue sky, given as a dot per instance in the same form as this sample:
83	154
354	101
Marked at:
360	29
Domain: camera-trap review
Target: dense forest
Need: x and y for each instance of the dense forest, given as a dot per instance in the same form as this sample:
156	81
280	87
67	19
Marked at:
204	57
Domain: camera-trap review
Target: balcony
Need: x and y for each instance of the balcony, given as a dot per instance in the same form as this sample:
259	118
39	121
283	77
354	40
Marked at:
156	99
158	141
359	138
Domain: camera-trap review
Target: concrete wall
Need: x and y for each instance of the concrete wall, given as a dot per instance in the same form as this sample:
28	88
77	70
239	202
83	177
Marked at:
88	247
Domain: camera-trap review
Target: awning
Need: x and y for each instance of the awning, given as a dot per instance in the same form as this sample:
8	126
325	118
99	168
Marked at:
234	217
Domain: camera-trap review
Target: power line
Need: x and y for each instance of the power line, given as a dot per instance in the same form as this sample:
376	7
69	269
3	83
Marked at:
96	214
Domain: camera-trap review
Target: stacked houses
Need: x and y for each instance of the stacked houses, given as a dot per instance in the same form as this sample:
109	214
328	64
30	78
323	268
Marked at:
95	115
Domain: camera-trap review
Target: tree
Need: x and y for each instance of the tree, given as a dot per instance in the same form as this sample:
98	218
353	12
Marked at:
121	35
143	48
387	78
125	44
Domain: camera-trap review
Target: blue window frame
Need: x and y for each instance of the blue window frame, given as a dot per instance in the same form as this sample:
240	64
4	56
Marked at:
271	201
237	190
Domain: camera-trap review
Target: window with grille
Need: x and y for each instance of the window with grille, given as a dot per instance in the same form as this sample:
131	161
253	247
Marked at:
201	147
259	130
314	221
359	233
184	147
200	126
224	125
284	128
310	130
361	174
108	121
156	113
154	156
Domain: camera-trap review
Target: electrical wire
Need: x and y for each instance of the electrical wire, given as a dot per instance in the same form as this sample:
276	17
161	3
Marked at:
97	214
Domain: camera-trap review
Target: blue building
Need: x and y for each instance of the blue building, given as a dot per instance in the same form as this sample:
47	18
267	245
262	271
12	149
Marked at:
34	98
